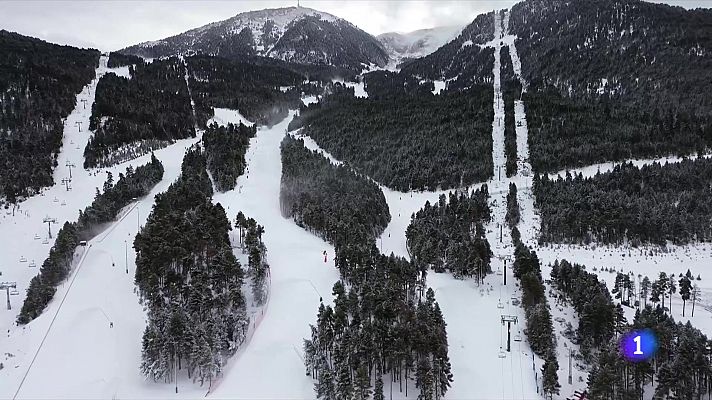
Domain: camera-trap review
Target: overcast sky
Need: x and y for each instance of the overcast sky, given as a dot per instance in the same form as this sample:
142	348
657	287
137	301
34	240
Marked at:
111	25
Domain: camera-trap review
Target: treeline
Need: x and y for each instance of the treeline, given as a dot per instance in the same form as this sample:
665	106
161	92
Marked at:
652	204
331	201
39	82
570	132
511	90
154	106
449	235
442	141
540	328
189	280
599	318
680	368
120	60
257	266
383	322
254	90
225	148
461	61
653	57
104	208
618	79
385	84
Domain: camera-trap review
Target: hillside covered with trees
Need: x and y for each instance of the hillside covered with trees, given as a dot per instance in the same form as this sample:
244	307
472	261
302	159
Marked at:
653	204
331	201
408	142
39	82
383	320
189	280
450	235
225	148
252	89
614	79
133	116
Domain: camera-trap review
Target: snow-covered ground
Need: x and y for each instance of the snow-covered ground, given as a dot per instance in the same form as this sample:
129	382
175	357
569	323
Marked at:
223	116
24	234
120	71
71	352
358	87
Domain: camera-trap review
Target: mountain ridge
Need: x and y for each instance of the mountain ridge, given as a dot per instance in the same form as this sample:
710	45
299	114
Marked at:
295	34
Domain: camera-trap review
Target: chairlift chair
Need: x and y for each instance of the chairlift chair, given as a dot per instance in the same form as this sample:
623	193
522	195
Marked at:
23	259
500	305
45	241
517	338
501	353
14	292
37	237
32	264
64	203
56	200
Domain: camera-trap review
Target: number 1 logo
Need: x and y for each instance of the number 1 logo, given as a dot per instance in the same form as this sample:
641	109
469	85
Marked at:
637	351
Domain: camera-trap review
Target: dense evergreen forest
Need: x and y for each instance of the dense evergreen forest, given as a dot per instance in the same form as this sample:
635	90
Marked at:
120	60
599	318
39	82
680	368
567	132
254	90
511	90
225	148
462	60
539	325
105	207
450	235
408	142
653	57
653	204
613	79
133	116
257	266
331	201
189	280
385	84
383	325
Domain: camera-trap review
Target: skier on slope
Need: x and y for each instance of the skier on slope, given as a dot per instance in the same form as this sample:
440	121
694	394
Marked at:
324	256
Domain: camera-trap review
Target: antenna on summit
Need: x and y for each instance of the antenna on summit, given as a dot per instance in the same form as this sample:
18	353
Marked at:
297	3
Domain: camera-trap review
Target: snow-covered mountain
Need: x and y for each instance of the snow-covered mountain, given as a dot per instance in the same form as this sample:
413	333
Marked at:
295	34
417	43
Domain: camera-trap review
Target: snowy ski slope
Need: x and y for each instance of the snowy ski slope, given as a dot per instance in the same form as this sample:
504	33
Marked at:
72	352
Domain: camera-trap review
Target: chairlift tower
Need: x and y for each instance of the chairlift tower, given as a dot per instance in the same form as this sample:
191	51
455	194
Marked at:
66	182
7	286
79	125
509	319
504	259
49	221
70	166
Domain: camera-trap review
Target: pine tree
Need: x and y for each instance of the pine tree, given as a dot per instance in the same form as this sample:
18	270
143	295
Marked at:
672	288
362	384
550	376
645	290
685	291
695	295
